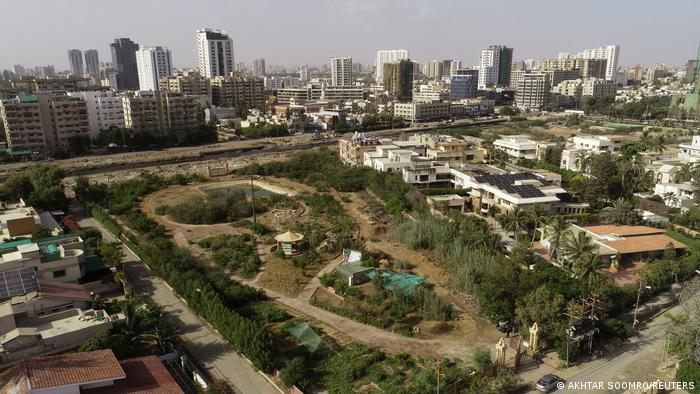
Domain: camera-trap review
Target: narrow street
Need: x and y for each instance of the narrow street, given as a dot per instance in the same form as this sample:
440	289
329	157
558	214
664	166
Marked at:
203	342
636	361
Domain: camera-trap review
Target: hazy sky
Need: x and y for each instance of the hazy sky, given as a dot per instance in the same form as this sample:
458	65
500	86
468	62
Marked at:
293	32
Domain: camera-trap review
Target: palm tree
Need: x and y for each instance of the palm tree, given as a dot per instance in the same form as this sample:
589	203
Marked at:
555	231
515	220
657	144
670	199
583	161
538	215
587	268
684	173
576	246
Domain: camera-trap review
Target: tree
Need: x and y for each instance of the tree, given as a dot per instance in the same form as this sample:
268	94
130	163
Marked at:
587	268
622	212
295	373
555	231
684	173
515	220
538	216
577	246
111	253
543	306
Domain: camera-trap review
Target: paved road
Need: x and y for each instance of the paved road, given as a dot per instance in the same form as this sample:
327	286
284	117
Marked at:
636	361
205	344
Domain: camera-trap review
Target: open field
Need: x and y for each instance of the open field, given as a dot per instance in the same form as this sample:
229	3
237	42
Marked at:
295	284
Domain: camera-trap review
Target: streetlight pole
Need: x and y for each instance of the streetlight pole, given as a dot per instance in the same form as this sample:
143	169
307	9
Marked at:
636	305
252	196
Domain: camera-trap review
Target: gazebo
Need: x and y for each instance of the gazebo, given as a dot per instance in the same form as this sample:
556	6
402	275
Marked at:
289	243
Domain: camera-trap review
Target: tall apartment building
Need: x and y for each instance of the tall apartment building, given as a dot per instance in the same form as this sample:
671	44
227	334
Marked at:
588	68
533	91
75	60
43	122
104	110
388	56
153	63
494	66
124	61
159	113
215	53
398	79
341	71
229	91
431	69
188	83
92	63
610	53
258	67
22	122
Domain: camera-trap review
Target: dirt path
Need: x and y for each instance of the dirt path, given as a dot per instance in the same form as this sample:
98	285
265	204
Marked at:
377	337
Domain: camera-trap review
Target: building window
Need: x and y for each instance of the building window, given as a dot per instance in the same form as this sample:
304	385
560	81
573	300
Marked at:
59	274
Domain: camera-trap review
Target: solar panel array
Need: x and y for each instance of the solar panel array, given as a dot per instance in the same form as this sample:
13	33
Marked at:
507	182
18	282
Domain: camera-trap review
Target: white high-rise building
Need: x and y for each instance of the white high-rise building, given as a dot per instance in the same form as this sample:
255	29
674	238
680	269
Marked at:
610	53
488	67
341	71
530	64
388	56
75	59
104	110
215	53
153	63
455	65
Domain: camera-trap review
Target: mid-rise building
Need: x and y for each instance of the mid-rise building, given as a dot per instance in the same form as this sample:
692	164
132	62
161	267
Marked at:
230	91
159	113
587	68
187	83
75	60
92	63
398	80
463	87
341	71
388	56
46	121
104	110
532	91
124	62
214	52
422	111
153	63
258	67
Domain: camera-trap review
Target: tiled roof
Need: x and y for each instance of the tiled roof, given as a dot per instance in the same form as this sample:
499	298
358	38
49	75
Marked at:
144	375
72	369
67	291
644	243
623	231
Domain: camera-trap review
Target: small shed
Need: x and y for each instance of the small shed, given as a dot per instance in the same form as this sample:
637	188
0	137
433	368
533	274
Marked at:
289	243
353	273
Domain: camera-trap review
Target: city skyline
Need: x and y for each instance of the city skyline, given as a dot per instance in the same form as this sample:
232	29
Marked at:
433	30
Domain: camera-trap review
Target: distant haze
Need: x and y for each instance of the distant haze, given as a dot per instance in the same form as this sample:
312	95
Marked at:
301	32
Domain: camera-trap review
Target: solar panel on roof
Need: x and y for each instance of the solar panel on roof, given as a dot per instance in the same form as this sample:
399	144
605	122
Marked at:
18	282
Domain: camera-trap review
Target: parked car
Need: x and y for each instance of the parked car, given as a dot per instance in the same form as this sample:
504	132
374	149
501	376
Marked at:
549	383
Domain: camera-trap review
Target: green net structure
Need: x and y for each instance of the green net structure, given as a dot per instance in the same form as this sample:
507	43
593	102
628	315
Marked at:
399	283
306	336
